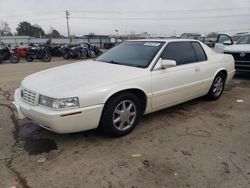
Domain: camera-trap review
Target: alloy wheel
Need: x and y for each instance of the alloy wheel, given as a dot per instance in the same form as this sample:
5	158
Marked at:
124	115
218	86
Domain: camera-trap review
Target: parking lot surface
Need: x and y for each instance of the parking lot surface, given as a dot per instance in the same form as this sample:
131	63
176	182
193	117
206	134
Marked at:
196	144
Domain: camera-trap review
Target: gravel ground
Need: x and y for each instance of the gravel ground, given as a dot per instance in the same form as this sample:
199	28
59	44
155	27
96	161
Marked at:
196	144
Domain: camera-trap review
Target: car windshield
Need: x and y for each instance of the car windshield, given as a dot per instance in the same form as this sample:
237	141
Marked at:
132	53
244	40
235	38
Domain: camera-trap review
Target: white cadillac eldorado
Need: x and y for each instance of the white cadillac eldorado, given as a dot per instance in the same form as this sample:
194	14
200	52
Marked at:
112	92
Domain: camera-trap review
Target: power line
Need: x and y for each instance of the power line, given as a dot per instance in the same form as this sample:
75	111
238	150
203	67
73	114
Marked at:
161	11
38	20
31	13
128	11
161	18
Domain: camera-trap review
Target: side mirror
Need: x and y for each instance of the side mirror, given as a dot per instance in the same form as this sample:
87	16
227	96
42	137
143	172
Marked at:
165	63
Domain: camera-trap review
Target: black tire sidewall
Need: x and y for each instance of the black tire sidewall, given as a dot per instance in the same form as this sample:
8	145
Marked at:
66	56
107	116
29	57
46	58
17	59
211	95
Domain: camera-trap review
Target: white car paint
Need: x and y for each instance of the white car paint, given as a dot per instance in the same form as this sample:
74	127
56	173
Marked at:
242	48
238	48
220	48
95	82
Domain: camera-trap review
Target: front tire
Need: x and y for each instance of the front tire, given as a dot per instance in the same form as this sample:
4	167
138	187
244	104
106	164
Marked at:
217	87
29	57
121	114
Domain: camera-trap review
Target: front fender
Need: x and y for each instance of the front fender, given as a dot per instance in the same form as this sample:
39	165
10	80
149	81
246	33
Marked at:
118	89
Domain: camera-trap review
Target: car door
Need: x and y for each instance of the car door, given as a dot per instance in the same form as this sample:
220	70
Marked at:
222	41
179	83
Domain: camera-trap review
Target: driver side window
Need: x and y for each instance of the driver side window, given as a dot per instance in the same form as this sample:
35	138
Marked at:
181	52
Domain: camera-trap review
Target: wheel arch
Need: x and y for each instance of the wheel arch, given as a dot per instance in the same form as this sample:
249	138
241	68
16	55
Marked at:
140	93
223	71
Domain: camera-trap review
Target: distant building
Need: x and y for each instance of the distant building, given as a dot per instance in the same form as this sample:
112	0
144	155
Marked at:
15	40
24	41
195	36
144	35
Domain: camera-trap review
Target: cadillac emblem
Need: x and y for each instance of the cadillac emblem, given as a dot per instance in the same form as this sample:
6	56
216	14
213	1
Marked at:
242	54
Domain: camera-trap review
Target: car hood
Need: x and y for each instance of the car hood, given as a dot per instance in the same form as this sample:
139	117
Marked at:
62	81
238	48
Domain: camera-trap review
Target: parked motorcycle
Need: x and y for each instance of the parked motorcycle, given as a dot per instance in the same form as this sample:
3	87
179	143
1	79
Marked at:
38	52
55	50
90	50
73	52
97	51
80	51
20	51
7	54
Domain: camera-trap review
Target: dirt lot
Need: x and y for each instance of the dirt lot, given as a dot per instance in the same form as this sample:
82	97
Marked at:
196	144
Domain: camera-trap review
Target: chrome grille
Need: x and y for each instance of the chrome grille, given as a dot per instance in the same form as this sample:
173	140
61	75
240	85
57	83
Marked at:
29	96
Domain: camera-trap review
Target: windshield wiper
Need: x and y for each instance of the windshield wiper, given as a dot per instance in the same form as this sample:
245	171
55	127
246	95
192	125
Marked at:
114	62
118	63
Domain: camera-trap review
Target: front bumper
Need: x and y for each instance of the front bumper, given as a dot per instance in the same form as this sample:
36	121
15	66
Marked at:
67	121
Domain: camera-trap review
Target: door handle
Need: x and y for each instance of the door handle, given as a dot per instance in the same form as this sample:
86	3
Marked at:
197	69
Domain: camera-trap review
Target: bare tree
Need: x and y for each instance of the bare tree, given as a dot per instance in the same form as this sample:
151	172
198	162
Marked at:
5	29
91	34
212	34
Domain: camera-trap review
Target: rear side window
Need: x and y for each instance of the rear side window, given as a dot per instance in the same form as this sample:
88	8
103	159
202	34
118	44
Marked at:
181	52
200	54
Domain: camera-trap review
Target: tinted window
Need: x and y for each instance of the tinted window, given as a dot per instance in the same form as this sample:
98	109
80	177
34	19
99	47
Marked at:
181	52
200	54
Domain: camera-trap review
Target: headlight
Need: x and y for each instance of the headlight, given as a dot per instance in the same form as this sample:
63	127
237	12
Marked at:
58	103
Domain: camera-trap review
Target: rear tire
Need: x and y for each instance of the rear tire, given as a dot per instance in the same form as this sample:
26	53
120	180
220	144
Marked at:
66	55
217	87
14	58
92	55
120	115
46	57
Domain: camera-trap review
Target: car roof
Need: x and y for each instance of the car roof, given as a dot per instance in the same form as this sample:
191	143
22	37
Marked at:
163	40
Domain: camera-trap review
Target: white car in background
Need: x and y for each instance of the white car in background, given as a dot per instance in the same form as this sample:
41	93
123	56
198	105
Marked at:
112	92
239	50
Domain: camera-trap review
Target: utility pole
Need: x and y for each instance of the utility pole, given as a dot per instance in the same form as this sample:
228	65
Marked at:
116	35
67	18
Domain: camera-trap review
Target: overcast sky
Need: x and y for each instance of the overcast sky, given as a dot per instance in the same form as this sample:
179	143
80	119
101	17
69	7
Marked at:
161	17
